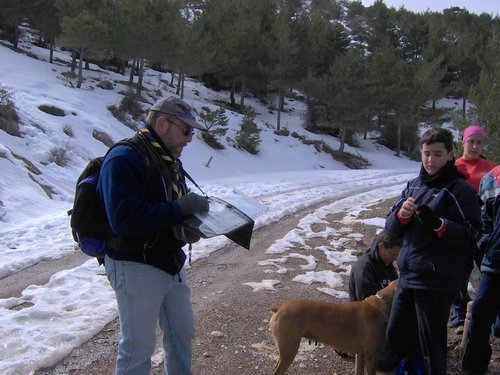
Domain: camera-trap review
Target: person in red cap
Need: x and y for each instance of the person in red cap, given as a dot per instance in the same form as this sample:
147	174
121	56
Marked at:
473	139
475	166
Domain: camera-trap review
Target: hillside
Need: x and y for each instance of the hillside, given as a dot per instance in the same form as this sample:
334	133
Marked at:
51	150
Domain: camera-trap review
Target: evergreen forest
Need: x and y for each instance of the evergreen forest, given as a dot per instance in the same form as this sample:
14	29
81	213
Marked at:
358	68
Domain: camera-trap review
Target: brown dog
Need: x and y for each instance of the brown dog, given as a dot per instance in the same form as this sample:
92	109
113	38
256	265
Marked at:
354	327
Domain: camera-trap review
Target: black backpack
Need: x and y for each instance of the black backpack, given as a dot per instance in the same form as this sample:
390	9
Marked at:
89	223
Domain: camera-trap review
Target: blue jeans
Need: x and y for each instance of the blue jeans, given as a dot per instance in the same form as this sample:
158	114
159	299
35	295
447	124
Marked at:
147	295
485	310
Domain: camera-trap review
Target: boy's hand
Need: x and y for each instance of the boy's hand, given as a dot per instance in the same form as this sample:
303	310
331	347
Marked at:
408	207
427	215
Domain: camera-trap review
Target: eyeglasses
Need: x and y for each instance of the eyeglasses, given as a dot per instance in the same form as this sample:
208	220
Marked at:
187	132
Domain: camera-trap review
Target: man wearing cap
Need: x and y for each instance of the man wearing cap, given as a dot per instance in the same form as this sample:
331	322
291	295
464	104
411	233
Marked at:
145	196
475	166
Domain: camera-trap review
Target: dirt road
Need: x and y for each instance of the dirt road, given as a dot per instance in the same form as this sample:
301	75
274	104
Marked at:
232	314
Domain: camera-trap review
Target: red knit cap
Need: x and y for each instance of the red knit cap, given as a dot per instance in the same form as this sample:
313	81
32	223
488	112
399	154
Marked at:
473	129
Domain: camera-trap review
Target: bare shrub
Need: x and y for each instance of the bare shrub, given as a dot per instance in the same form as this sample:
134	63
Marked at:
105	85
102	137
68	130
59	156
283	132
70	78
130	104
129	110
9	119
349	160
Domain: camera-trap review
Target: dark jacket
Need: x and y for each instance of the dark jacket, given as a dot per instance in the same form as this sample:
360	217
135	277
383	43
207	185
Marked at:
140	211
489	191
369	274
426	261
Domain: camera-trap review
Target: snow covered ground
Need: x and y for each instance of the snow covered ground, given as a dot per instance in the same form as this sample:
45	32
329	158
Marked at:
42	325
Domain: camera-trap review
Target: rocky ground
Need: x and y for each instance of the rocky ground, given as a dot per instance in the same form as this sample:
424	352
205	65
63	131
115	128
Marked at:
232	319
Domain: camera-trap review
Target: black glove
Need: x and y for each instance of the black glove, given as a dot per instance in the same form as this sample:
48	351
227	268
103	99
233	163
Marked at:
192	203
185	234
427	215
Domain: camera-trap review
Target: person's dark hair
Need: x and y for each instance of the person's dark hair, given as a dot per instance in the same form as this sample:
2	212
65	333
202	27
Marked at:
437	135
388	239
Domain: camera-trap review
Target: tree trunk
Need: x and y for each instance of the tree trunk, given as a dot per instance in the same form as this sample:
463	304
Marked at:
17	33
171	84
140	74
278	120
398	140
231	95
80	75
51	52
182	85
342	139
73	61
242	96
179	81
464	102
311	115
131	76
282	100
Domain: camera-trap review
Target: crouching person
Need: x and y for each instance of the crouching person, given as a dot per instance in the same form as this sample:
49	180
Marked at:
372	272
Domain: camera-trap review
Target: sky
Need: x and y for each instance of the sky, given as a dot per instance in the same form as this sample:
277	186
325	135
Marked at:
473	6
44	323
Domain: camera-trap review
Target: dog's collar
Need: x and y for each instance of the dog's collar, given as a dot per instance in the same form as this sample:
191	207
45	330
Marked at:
382	299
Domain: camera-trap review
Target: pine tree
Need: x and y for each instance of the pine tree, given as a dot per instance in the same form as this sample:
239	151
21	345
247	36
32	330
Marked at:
83	31
248	137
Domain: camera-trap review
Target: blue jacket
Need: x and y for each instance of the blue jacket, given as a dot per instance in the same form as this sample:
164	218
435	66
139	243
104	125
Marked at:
139	210
426	261
489	191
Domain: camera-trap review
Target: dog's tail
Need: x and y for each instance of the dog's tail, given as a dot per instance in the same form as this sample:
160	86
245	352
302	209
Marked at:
275	307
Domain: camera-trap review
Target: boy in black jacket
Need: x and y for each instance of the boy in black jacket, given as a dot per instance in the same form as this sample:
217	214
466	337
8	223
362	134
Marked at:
438	217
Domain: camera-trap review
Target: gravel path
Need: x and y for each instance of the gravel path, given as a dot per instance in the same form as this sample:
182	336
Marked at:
232	334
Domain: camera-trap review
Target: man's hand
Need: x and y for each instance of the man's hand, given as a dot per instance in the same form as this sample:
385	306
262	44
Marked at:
428	216
191	203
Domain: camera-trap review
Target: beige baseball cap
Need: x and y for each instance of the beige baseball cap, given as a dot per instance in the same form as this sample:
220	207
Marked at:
178	108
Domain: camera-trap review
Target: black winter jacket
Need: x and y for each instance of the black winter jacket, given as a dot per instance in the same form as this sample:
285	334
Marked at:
369	274
426	261
489	191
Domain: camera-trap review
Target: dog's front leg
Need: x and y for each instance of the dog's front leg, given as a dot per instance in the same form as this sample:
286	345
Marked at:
371	366
360	364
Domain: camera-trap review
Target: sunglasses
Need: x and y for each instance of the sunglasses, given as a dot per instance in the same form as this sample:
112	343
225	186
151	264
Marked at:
186	132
